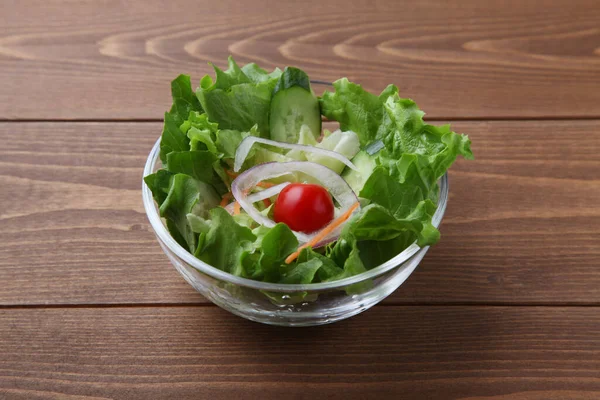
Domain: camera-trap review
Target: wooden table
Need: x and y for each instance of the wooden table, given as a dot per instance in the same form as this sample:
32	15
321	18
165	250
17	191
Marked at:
507	305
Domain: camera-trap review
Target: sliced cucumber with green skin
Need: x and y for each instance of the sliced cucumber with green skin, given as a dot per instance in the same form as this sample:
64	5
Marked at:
293	104
365	165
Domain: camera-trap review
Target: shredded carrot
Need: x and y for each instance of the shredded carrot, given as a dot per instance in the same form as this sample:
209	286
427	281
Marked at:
231	174
234	175
324	232
265	184
236	208
267	202
225	199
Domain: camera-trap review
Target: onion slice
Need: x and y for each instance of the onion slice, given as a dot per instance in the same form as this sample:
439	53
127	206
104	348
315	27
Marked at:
229	207
258	196
244	149
266	193
330	180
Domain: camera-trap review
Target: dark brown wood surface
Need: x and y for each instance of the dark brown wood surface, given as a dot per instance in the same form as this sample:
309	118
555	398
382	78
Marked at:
82	60
506	306
205	353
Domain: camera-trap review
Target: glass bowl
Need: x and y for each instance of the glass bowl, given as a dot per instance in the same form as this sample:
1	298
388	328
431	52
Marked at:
280	304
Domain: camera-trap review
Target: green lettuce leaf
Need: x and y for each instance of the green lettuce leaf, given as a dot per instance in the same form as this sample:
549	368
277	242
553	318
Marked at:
235	101
200	121
302	273
399	198
233	75
434	148
375	235
197	164
356	109
375	252
184	102
200	131
240	107
173	139
183	195
329	269
375	222
184	98
228	140
198	224
399	124
159	183
201	140
227	244
257	75
278	243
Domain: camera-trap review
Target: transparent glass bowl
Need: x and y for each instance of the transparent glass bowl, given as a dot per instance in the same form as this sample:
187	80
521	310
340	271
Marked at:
288	305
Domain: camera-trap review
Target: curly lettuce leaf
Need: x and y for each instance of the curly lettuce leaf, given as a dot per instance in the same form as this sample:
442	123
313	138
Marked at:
233	75
201	140
376	235
200	131
199	121
434	148
257	75
227	244
398	124
356	109
235	101
375	222
183	195
184	102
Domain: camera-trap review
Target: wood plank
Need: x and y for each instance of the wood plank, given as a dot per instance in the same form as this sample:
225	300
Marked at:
388	352
522	225
114	60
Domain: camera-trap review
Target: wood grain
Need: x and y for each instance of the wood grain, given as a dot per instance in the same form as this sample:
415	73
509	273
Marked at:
388	352
522	225
114	59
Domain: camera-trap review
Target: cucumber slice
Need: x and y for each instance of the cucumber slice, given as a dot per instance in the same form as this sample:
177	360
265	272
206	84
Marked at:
356	179
293	104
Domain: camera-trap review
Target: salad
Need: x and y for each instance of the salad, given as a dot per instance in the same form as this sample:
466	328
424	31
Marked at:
250	183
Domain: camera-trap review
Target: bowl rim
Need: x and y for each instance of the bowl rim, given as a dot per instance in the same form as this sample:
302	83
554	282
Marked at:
164	236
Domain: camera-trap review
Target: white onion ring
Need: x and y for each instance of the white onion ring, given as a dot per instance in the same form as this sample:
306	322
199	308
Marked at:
245	145
266	193
229	207
258	196
330	180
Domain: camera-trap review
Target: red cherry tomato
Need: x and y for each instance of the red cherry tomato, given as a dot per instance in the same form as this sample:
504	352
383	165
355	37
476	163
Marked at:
304	207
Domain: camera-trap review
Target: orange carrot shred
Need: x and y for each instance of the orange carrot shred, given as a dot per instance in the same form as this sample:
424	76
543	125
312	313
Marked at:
231	173
267	202
265	184
236	208
225	199
324	232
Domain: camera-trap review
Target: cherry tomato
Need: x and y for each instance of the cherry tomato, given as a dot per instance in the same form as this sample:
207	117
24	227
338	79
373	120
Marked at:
304	207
